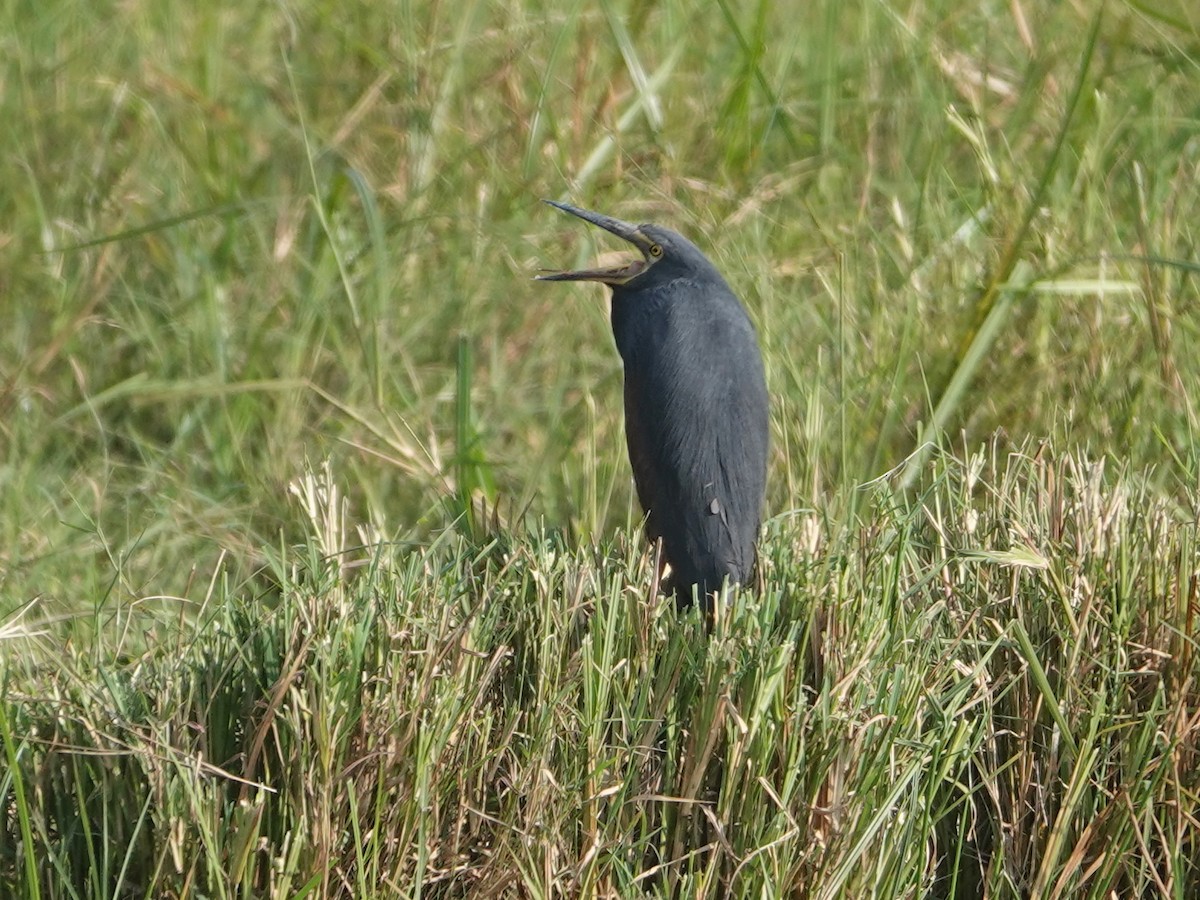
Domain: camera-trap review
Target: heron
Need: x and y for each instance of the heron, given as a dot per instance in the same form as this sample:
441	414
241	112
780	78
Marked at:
696	405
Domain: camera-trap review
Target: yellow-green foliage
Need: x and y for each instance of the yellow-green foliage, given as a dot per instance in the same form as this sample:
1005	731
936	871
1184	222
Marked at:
238	240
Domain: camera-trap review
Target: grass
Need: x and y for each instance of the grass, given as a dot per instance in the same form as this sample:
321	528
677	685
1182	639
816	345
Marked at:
319	565
986	689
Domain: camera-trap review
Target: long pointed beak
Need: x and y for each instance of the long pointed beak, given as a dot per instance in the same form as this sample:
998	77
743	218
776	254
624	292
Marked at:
624	230
620	228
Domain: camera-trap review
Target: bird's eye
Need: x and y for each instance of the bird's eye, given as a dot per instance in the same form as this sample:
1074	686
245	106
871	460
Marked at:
655	251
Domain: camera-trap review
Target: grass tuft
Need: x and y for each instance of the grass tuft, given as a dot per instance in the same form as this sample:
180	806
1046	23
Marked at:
984	688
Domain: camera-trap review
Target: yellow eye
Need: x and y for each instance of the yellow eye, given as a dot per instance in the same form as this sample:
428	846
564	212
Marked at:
655	251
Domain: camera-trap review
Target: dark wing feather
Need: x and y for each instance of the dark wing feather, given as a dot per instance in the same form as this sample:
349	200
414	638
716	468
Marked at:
696	424
644	464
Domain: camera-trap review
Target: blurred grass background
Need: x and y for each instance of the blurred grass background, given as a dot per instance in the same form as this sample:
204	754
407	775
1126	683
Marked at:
239	240
238	237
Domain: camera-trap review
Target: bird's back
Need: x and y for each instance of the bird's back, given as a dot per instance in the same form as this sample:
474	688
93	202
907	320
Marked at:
696	416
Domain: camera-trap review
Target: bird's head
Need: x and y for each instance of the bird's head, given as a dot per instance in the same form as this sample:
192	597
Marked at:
665	254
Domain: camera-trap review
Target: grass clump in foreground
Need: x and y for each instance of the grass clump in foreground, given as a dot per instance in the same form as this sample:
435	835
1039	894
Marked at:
987	687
